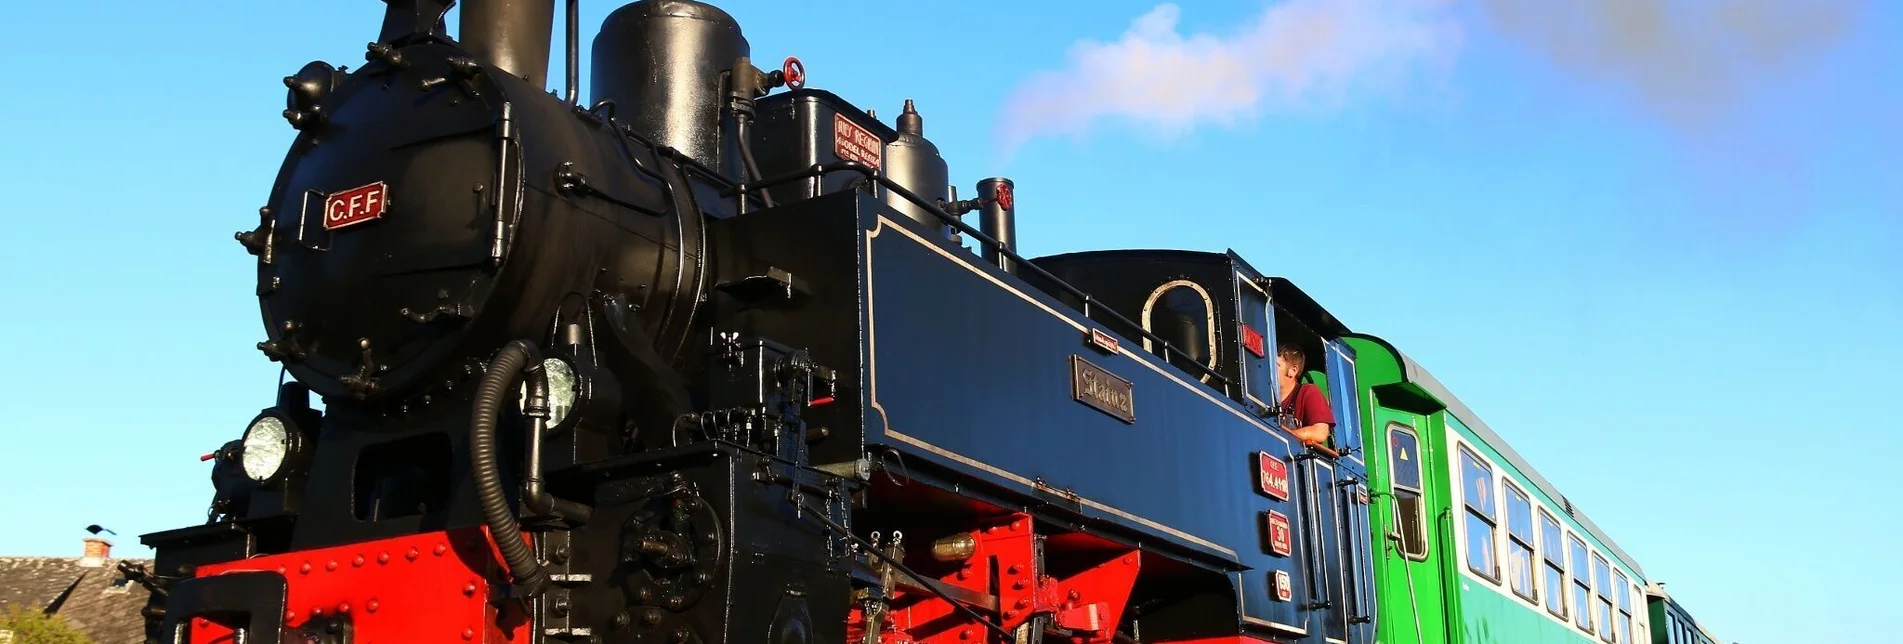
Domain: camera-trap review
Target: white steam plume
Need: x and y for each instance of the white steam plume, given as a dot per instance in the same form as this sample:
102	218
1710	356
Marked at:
1291	53
1690	61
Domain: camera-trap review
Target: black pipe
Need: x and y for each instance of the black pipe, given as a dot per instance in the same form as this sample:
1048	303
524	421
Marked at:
528	574
511	34
574	52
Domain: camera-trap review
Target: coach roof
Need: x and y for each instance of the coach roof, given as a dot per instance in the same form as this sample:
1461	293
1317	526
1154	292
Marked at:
1418	375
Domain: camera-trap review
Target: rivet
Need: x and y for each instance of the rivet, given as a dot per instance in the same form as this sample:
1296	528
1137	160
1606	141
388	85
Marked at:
304	569
280	570
343	607
358	561
412	554
963	574
1017	585
440	549
964	634
469	634
383	557
469	590
317	611
1129	559
202	622
290	615
1074	596
1021	604
1015	569
330	566
370	606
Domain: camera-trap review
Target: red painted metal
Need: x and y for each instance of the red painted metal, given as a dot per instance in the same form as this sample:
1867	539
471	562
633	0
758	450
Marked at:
1281	537
357	205
432	587
1091	603
1003	565
1252	340
1272	475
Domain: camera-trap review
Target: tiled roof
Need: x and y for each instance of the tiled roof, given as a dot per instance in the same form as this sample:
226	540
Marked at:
97	600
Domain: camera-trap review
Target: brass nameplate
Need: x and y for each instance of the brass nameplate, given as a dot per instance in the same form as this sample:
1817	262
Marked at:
1092	385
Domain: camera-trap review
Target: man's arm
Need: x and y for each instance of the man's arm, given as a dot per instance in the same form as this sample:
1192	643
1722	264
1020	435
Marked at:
1316	434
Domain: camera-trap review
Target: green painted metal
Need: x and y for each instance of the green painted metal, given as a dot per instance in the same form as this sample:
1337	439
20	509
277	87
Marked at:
1435	601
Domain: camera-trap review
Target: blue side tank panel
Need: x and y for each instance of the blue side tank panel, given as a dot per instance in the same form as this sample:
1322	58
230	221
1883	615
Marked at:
970	369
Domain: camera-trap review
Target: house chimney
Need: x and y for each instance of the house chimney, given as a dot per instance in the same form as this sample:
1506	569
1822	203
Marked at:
97	552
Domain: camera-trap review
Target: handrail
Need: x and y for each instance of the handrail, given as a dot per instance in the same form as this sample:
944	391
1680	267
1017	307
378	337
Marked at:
1320	448
871	174
740	190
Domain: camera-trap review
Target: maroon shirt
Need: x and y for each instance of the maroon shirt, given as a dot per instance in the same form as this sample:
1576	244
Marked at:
1307	406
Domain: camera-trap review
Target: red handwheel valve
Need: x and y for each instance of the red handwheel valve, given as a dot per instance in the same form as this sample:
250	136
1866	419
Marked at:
794	72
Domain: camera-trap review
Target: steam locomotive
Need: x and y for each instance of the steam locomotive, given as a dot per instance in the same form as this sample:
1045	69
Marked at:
714	357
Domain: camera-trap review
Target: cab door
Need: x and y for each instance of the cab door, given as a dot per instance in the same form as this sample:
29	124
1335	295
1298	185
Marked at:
1351	496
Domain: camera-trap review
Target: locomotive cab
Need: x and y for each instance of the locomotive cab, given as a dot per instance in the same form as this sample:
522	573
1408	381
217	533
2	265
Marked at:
1222	321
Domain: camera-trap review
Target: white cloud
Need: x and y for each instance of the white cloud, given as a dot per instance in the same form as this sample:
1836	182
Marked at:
1291	53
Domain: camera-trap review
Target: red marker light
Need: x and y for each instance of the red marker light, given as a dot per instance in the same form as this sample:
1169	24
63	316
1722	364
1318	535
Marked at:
208	457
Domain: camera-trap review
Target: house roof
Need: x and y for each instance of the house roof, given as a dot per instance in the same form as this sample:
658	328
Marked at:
90	594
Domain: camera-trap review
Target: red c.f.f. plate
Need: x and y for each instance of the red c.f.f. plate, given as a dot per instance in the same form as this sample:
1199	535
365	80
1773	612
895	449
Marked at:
356	205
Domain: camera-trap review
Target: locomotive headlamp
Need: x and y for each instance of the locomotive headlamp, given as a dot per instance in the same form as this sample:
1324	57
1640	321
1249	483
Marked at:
563	388
266	445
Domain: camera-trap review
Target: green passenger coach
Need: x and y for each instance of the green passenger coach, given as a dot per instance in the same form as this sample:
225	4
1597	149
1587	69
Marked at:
1674	624
1475	546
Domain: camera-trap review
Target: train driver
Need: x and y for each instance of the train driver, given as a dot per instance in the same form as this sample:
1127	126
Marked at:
1305	410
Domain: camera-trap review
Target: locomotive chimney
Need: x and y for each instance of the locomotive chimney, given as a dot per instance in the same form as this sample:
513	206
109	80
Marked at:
511	34
998	220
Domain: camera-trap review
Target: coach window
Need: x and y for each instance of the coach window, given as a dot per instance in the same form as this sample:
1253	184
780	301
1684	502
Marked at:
1671	629
1553	551
1582	584
1602	582
1410	513
1623	589
1477	487
1641	618
1519	542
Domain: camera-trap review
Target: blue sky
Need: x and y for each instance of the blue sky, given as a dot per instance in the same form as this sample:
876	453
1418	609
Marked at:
1659	256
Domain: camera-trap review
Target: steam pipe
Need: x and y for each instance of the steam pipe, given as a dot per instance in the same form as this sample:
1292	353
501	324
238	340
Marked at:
998	220
527	573
511	34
